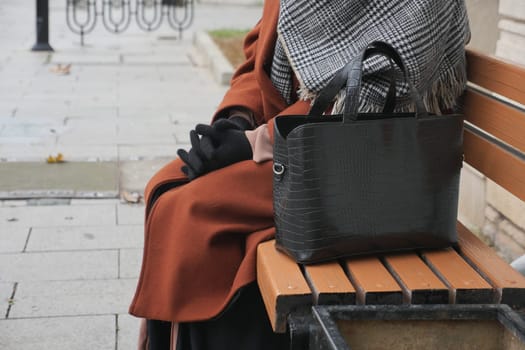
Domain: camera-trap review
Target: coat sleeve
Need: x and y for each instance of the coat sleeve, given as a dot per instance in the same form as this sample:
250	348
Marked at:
261	139
244	88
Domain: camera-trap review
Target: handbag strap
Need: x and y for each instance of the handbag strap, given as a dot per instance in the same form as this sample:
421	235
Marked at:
350	75
353	85
328	93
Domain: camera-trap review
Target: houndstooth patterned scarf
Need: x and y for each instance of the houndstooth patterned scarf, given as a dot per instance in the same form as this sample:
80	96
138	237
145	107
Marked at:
318	37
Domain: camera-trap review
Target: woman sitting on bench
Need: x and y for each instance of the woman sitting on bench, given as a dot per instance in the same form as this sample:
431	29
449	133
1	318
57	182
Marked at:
207	211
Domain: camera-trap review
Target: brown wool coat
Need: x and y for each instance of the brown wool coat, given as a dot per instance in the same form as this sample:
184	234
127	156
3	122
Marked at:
201	238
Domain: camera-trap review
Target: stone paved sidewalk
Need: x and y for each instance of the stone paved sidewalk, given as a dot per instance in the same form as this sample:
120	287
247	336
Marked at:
68	270
129	97
68	267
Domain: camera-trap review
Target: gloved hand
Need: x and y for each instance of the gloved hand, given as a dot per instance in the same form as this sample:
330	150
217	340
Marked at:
194	159
240	122
220	145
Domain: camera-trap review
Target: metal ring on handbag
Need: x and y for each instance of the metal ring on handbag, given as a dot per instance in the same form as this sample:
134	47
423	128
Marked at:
278	170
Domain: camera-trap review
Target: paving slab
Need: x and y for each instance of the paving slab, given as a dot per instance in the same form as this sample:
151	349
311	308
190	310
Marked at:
85	59
186	120
13	240
69	179
63	87
182	137
94	99
40	97
130	263
51	266
40	132
146	137
96	201
31	130
93	124
59	333
19	57
96	74
37	202
92	112
12	80
53	216
128	331
70	298
146	151
108	85
19	73
85	238
143	112
130	214
40	111
11	102
88	109
11	94
7	110
53	115
137	73
147	125
26	140
190	75
162	59
138	114
13	203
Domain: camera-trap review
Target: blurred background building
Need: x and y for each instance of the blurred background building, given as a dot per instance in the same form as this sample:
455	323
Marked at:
498	27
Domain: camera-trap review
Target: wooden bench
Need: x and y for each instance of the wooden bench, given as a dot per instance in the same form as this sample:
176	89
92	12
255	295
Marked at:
471	273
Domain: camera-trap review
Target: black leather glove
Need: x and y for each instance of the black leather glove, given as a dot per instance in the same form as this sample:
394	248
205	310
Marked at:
220	145
194	160
240	122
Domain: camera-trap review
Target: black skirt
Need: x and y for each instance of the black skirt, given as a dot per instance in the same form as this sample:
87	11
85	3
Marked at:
243	325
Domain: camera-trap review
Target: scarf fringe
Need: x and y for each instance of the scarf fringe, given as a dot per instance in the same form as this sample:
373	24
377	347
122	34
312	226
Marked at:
441	96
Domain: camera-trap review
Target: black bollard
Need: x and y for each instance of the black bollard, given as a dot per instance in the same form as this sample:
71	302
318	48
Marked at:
42	26
178	3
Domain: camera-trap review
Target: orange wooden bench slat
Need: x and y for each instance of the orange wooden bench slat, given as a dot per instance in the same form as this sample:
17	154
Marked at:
509	283
330	284
373	282
466	285
496	75
496	118
420	285
282	284
499	165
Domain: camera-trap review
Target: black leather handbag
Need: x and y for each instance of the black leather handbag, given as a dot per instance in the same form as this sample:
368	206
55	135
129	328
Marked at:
362	183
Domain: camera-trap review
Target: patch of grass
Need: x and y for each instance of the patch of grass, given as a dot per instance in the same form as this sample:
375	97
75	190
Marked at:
228	33
230	42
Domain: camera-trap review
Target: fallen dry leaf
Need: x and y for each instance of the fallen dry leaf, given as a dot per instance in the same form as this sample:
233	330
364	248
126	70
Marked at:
59	158
60	69
133	197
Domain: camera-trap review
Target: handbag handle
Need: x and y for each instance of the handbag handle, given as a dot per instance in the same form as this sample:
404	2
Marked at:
353	85
353	73
328	93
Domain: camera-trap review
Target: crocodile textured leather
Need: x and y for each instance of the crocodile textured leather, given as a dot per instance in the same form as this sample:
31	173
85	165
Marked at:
364	183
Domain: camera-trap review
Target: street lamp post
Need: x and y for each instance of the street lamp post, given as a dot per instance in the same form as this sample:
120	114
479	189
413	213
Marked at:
42	26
